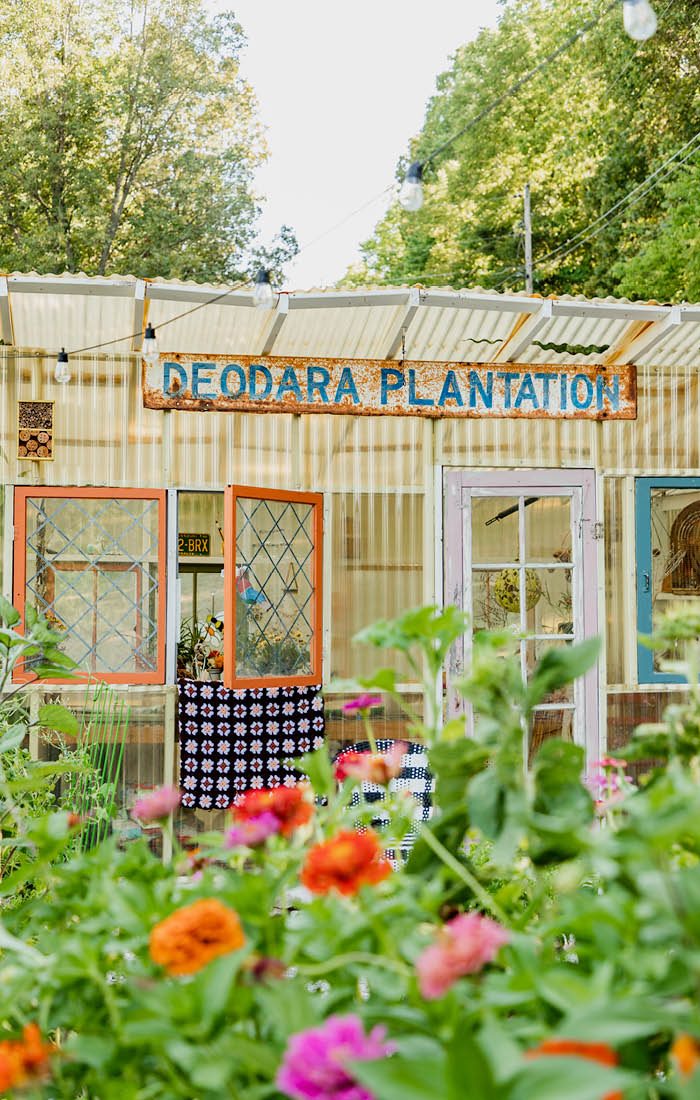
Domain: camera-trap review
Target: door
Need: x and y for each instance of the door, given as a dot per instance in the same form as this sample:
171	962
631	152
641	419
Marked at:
520	554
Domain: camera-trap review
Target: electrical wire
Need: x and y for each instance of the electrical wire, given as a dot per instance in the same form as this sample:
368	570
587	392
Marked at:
515	87
622	205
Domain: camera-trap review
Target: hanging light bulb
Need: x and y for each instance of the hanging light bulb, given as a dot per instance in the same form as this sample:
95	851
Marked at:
639	19
62	372
411	193
149	348
262	291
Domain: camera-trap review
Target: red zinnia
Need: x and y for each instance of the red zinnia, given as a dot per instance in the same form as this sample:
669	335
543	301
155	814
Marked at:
289	805
25	1060
594	1052
346	862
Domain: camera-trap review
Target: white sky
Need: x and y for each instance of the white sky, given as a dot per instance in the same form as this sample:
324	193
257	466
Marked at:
341	90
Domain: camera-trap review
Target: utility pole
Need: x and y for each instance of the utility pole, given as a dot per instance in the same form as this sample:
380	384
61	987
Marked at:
527	226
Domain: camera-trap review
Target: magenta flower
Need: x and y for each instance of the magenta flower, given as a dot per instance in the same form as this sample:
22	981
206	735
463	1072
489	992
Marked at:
157	805
609	762
362	702
314	1066
464	946
252	832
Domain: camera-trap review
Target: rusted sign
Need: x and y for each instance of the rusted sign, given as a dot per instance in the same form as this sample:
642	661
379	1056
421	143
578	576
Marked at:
369	387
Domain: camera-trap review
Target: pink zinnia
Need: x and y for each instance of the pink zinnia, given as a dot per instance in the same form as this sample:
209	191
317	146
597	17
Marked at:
464	946
371	767
609	762
158	805
362	702
314	1063
254	831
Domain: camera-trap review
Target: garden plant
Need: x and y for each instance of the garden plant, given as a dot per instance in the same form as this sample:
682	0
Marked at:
542	942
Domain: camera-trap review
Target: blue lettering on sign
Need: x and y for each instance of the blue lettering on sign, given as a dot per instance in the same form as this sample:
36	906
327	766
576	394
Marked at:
527	392
577	401
611	392
508	377
413	399
168	370
450	390
563	405
289	384
315	384
199	378
477	390
346	388
545	378
387	386
233	368
254	393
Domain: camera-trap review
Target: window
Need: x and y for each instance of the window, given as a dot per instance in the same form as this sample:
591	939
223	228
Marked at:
273	587
92	561
668	560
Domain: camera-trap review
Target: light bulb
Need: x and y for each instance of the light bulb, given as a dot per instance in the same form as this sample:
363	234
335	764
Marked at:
639	19
262	291
149	348
62	372
411	193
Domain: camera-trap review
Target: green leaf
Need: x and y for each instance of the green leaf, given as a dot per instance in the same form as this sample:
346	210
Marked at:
560	666
317	765
8	614
13	737
8	942
417	1072
93	1050
555	1077
214	986
54	716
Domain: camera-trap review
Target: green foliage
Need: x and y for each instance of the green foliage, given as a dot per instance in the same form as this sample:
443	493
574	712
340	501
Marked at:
130	141
601	913
584	132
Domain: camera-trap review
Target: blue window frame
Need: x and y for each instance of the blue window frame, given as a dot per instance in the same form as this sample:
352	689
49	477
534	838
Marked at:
668	563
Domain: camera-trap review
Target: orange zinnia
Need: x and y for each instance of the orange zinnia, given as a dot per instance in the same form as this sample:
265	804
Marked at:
594	1052
346	862
192	936
289	805
685	1054
23	1060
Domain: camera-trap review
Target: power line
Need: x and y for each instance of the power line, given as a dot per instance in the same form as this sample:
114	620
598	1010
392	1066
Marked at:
519	83
622	205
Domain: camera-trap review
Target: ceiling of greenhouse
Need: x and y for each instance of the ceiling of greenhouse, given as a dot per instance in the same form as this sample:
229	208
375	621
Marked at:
108	315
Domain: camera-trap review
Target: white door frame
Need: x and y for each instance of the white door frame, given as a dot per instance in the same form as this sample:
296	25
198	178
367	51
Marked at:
582	482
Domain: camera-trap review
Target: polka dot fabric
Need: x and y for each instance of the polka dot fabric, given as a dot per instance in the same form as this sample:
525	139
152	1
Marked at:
235	741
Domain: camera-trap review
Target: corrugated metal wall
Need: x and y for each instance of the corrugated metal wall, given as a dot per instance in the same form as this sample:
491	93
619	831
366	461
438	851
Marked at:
378	477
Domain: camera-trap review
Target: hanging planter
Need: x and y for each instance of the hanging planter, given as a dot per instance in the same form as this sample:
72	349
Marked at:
506	589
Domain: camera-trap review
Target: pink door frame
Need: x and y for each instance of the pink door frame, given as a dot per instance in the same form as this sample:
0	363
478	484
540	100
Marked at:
514	482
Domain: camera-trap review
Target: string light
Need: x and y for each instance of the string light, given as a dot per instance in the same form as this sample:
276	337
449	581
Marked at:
411	193
262	291
149	348
62	372
639	19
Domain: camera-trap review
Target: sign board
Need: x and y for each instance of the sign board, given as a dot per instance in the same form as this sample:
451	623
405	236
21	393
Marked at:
369	387
193	546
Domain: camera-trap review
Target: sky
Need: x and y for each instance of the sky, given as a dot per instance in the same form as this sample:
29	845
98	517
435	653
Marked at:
342	88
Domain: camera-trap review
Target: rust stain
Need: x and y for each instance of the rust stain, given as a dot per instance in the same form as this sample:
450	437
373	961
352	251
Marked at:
374	387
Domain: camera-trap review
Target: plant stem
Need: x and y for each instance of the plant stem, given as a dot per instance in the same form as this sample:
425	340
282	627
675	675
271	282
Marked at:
464	873
369	731
313	970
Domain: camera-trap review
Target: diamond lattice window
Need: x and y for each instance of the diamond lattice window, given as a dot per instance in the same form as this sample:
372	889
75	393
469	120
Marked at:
92	562
275	590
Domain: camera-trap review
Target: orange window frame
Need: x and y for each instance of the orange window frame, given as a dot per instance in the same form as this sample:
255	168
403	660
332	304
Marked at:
22	494
231	496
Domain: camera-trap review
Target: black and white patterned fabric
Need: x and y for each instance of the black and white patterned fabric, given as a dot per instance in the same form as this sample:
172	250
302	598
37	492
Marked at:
232	741
414	777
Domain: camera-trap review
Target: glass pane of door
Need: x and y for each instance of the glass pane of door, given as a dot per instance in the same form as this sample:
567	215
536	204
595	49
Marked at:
518	548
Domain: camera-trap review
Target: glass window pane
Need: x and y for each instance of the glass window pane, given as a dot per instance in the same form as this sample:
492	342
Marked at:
675	552
494	529
92	570
548	529
274	588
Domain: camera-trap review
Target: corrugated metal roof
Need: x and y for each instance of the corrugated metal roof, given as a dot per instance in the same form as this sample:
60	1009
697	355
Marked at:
77	311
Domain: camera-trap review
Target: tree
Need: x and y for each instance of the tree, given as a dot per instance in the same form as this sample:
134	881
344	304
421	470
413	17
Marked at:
584	132
129	140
